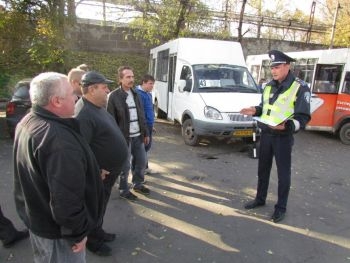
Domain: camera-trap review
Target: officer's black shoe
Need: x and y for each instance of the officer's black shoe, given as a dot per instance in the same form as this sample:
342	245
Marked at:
253	204
103	250
108	237
17	237
278	216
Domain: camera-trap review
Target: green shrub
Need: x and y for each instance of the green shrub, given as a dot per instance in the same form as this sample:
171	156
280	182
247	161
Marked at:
108	63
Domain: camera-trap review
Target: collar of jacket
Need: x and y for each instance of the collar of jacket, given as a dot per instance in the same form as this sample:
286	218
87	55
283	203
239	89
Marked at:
133	91
45	114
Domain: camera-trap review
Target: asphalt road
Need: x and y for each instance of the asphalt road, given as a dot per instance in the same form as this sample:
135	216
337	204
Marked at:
195	211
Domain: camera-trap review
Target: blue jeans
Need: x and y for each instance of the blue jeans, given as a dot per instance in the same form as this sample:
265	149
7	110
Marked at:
148	146
54	250
136	161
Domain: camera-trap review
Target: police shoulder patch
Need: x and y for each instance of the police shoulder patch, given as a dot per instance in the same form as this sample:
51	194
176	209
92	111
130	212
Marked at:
307	96
302	82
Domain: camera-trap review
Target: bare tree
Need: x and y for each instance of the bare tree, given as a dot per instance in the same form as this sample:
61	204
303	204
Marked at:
240	23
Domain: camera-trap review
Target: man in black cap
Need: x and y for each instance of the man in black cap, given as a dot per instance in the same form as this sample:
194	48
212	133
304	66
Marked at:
107	143
284	110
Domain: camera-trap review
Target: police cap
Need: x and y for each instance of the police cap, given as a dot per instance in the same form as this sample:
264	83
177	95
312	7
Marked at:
278	57
93	77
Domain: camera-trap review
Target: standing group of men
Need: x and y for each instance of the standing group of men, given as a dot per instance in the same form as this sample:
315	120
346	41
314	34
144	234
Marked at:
65	167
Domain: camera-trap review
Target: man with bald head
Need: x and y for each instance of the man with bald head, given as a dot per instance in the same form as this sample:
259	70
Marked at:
74	78
58	187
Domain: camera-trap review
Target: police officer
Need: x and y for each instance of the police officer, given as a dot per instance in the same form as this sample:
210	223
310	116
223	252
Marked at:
284	110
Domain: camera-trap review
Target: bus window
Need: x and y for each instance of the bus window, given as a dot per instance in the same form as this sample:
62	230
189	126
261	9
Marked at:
186	74
254	70
327	78
152	66
162	65
172	70
265	70
304	69
346	86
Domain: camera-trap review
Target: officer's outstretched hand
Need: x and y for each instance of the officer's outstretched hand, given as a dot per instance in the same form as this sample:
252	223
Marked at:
248	111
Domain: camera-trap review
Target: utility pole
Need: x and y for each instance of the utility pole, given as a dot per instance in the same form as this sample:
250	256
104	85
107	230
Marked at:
311	20
334	24
260	20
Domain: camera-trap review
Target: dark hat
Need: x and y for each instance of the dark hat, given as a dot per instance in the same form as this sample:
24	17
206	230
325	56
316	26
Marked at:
93	77
278	57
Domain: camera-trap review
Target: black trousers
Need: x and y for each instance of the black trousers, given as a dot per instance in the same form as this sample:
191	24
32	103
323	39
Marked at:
280	147
96	237
7	230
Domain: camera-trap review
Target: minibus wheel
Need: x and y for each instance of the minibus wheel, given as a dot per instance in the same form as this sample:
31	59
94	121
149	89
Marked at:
189	134
344	133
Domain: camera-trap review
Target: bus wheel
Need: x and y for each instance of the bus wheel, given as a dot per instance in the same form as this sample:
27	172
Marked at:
189	134
344	133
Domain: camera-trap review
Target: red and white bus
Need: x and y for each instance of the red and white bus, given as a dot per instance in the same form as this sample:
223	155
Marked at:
328	74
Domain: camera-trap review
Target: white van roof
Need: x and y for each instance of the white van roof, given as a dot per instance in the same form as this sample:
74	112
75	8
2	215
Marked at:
204	51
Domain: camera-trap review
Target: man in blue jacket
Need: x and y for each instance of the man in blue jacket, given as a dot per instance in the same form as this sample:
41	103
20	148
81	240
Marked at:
144	90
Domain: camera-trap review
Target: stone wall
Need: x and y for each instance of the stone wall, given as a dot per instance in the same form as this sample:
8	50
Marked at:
93	37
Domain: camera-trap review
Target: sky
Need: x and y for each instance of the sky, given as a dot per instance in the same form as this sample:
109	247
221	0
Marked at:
87	9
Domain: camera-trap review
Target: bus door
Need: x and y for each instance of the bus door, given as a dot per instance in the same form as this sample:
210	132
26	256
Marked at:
161	87
342	109
171	80
325	90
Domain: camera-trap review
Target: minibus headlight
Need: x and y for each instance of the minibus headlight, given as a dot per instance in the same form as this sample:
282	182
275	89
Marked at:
212	113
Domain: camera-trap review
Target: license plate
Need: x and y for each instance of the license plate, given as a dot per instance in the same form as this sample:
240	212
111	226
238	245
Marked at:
243	133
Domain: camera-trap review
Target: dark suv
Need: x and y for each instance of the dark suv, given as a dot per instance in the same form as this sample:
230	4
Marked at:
18	106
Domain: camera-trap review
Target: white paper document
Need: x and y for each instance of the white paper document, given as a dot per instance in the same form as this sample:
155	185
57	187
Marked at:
270	122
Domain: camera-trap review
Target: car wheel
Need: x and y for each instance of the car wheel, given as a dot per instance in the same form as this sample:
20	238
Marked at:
344	133
189	134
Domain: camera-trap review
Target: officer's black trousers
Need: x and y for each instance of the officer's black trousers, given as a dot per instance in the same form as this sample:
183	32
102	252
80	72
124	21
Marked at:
279	146
7	229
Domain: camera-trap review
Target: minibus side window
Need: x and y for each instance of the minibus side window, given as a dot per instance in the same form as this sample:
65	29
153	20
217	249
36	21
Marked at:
327	78
186	74
346	86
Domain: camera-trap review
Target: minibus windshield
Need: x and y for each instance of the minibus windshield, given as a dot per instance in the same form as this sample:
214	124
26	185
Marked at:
223	78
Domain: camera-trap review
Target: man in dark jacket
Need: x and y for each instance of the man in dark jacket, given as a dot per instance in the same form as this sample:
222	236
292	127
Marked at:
284	110
106	141
125	106
58	187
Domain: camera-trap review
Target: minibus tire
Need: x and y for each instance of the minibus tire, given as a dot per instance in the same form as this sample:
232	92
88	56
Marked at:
344	133
189	134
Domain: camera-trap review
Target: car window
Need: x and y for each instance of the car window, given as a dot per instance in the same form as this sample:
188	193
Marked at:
22	92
